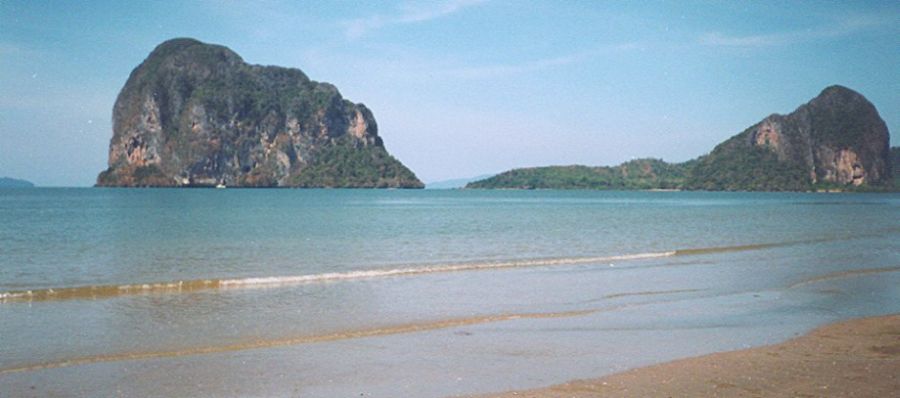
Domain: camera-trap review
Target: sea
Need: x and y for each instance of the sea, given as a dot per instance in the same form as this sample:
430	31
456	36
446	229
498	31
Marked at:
415	293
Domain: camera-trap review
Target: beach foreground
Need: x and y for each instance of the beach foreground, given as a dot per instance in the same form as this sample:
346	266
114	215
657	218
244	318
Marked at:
857	358
425	294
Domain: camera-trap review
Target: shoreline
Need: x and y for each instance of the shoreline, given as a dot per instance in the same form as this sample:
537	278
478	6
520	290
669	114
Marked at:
857	357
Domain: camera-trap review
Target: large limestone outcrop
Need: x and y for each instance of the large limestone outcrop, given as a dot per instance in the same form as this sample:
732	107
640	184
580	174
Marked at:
194	114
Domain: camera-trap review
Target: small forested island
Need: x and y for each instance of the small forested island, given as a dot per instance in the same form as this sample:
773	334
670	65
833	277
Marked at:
837	141
7	182
195	114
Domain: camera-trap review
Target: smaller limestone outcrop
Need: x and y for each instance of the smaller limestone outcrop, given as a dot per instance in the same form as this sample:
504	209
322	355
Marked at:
835	140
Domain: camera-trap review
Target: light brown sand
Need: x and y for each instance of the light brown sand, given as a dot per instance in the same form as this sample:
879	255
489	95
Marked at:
858	358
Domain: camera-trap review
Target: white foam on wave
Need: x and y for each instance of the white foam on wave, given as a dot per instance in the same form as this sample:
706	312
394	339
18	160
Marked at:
14	295
382	273
101	291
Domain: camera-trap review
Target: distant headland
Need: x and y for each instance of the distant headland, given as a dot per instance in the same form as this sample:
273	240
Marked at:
7	182
835	142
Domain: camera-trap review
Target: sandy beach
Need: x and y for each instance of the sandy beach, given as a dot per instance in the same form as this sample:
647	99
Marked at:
857	358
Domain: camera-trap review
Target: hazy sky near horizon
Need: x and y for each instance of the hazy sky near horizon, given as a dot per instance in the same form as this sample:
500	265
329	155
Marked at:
462	87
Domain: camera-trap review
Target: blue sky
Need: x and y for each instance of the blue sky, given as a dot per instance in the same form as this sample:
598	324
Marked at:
463	87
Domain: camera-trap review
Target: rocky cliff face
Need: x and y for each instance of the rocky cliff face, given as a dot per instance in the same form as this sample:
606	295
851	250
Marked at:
837	139
194	114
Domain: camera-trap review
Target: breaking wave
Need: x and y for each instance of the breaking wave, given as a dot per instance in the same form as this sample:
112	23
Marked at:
186	286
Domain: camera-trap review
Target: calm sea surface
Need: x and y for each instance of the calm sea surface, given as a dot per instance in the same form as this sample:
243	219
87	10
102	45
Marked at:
333	293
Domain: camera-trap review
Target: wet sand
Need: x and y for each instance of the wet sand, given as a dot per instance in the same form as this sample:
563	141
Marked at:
857	358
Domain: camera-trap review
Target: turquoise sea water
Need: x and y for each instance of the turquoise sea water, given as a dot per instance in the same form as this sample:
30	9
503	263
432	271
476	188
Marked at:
323	293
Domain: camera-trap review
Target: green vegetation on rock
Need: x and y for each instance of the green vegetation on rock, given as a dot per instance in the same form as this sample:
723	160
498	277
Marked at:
346	166
746	168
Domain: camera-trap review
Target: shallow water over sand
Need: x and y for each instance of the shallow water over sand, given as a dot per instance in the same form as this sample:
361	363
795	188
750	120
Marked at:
415	293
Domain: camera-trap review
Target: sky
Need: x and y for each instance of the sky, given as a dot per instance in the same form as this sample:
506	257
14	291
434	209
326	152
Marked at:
460	88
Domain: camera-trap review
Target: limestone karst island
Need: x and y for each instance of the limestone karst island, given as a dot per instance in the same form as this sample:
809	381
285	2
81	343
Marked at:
195	114
837	141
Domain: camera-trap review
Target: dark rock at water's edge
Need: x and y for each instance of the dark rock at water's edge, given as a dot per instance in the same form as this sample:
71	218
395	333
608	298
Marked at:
895	166
7	182
837	141
195	114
